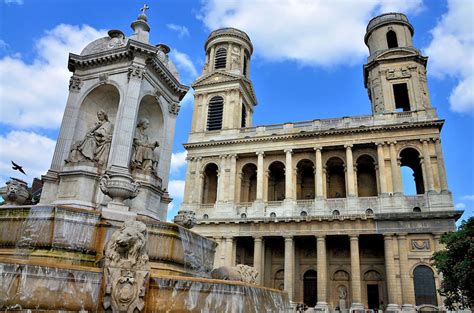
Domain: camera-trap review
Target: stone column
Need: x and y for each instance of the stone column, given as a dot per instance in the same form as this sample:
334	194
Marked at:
190	172
396	174
229	251
217	255
213	59
350	171
443	181
322	272
392	291
381	164
198	181
355	273
221	183
258	258
289	175
260	171
232	177
319	173
289	266
408	292
428	167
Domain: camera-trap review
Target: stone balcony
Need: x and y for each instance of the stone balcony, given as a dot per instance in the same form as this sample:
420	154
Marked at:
318	125
340	207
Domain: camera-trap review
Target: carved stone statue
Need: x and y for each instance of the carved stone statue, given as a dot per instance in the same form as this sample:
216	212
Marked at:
126	270
241	272
96	144
143	157
15	192
185	218
342	292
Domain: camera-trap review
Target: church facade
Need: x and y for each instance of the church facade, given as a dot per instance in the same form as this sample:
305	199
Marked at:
317	207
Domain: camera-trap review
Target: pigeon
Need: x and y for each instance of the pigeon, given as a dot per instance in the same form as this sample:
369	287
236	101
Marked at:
17	167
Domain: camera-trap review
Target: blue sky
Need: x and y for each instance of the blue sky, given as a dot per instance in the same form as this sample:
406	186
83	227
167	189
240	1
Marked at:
306	52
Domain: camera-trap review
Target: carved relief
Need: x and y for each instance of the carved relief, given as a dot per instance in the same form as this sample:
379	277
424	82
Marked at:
15	192
420	245
119	188
75	84
241	272
173	108
185	218
340	275
135	72
377	94
126	270
423	87
117	39
395	73
372	275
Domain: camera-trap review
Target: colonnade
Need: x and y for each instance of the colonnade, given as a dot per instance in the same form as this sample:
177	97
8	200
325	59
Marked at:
400	288
389	179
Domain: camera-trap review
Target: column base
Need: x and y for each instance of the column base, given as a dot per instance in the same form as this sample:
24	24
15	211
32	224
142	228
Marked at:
392	308
321	307
357	307
408	308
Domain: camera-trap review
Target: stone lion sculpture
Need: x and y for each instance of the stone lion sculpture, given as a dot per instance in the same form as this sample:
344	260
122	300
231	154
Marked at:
127	247
241	272
16	192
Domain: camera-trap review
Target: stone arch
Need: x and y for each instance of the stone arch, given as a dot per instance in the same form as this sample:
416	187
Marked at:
341	275
392	41
335	178
276	181
366	176
372	275
310	279
410	159
279	279
305	180
210	181
248	183
424	285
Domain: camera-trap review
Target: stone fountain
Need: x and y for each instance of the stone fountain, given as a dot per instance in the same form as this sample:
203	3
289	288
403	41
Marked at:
96	241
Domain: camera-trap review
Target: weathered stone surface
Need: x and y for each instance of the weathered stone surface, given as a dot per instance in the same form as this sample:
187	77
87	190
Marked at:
241	272
16	192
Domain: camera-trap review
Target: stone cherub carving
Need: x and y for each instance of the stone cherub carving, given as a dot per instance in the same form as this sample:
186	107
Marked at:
127	269
16	192
143	157
96	144
241	272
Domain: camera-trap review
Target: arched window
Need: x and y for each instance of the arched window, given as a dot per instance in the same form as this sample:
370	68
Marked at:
278	280
335	178
412	175
221	58
276	181
245	67
366	178
336	213
369	211
310	278
273	214
205	216
305	180
425	288
214	113
392	41
304	213
248	183
243	117
209	192
243	215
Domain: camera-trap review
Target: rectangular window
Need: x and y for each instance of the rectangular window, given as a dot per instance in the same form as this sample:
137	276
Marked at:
402	102
243	121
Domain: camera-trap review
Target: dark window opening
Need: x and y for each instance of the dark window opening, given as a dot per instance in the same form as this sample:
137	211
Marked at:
245	66
310	290
214	114
425	288
243	121
392	41
221	58
402	102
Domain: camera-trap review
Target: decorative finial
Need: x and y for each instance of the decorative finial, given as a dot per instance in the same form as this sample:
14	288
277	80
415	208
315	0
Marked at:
144	9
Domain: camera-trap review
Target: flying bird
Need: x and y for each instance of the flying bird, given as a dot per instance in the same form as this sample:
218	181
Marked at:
17	167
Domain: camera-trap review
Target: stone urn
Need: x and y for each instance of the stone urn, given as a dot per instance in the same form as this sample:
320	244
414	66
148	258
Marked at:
119	187
15	192
185	218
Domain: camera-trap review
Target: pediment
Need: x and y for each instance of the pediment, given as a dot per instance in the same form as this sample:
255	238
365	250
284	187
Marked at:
396	53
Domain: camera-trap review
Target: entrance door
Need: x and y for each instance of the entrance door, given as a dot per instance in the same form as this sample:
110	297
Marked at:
373	296
309	288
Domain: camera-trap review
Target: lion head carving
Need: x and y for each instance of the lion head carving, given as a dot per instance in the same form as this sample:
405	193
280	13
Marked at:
127	247
16	192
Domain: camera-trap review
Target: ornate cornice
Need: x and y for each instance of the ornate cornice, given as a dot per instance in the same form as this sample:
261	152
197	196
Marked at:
325	133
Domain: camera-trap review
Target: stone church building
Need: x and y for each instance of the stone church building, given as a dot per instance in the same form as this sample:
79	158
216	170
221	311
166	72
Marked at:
318	206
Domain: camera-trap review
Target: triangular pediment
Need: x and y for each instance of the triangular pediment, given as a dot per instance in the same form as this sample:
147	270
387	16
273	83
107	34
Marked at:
220	77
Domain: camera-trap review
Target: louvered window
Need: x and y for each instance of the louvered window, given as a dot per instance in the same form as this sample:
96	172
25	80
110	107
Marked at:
243	121
214	113
245	66
221	58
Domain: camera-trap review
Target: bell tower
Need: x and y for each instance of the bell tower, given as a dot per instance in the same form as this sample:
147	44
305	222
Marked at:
395	74
224	97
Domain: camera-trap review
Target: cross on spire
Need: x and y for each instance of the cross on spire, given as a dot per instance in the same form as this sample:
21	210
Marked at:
144	9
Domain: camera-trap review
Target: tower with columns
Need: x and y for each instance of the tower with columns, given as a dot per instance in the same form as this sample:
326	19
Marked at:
318	207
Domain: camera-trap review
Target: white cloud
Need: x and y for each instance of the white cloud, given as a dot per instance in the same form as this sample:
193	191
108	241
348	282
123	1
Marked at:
30	150
178	160
317	33
451	52
34	95
182	30
460	206
468	198
184	63
3	45
176	189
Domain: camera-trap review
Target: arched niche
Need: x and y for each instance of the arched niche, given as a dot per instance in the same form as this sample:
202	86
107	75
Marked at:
151	110
335	178
305	180
209	192
104	97
248	187
412	173
276	181
366	176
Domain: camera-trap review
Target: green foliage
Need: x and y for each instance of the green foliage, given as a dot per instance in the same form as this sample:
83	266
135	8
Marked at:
456	264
